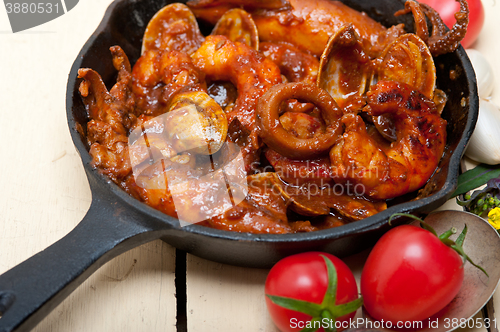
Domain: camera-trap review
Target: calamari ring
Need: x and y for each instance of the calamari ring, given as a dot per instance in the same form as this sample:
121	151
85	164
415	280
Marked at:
276	137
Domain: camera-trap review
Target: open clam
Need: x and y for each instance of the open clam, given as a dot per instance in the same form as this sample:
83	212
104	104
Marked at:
408	60
238	26
344	69
195	122
174	27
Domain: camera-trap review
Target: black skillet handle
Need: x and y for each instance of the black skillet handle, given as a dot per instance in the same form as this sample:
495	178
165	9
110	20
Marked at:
32	289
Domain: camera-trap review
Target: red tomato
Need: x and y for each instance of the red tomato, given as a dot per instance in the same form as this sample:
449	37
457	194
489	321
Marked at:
410	275
447	10
305	277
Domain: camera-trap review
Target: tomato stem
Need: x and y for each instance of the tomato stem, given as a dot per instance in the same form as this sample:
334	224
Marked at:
314	322
327	309
331	291
445	238
458	247
447	234
325	314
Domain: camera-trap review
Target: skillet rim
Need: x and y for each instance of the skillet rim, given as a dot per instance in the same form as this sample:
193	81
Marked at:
368	224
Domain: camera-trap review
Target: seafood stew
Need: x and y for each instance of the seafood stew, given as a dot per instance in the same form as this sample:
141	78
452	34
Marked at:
292	132
117	222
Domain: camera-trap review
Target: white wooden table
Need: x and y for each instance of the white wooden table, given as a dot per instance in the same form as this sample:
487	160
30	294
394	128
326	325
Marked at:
44	194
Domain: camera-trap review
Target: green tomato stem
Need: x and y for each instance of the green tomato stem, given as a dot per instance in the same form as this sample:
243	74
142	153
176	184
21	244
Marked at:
444	238
447	234
328	308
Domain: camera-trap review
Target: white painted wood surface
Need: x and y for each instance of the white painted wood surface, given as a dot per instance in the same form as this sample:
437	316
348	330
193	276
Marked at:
44	189
45	194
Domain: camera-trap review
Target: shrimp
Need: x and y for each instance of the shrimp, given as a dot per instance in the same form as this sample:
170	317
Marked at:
388	171
251	73
212	10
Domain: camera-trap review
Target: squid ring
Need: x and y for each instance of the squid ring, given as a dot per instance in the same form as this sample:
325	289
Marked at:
276	137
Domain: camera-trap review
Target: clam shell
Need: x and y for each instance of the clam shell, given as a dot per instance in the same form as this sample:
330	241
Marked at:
344	68
408	60
195	122
174	27
239	26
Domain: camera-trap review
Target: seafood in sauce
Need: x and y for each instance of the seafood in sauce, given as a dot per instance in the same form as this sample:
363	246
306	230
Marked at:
289	116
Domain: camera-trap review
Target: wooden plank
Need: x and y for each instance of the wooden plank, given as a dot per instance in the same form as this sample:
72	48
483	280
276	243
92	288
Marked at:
225	298
44	189
133	292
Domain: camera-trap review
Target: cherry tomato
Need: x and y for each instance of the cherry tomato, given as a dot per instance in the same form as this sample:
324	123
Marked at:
306	277
410	275
447	10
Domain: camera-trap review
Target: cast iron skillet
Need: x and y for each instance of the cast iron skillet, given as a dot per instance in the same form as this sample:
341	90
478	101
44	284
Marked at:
116	222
